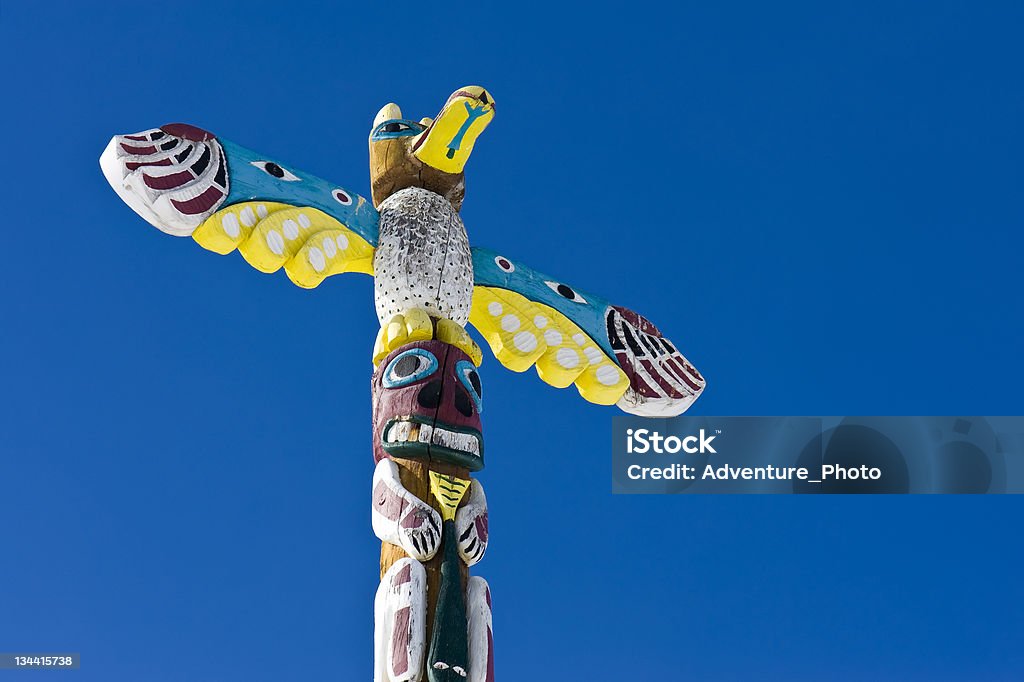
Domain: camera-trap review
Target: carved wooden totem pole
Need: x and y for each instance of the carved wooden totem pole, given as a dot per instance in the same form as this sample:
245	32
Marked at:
432	620
429	514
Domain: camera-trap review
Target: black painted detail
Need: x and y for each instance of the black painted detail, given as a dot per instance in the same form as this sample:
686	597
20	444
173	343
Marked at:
204	160
613	336
430	395
633	345
474	380
222	175
462	402
649	341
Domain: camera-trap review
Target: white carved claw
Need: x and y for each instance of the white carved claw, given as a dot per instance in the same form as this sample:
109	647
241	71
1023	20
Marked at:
400	623
478	623
401	518
471	525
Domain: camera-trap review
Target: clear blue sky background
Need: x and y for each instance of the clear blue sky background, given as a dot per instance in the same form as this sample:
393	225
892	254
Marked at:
823	207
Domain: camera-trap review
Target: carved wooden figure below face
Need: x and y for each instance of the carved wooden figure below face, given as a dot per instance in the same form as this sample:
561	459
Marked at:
429	153
426	406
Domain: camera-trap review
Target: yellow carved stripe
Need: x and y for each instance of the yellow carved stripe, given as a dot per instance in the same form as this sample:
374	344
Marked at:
308	243
448	491
523	333
227	228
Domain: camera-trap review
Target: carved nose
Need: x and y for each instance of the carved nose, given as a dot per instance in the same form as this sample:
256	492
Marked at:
430	395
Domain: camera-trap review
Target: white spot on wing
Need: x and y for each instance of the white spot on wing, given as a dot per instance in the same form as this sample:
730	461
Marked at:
230	224
607	375
494	308
248	217
275	242
329	247
316	259
525	342
291	230
510	323
567	358
553	337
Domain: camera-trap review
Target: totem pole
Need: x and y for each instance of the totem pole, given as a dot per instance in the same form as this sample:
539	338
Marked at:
427	401
432	620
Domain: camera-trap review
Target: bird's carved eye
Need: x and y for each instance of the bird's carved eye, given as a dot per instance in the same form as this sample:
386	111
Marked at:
396	128
342	197
566	291
274	170
504	264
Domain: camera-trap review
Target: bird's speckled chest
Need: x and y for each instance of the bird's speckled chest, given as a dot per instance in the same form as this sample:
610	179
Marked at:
422	259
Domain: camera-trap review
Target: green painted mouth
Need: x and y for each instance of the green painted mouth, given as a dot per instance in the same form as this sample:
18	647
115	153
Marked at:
415	438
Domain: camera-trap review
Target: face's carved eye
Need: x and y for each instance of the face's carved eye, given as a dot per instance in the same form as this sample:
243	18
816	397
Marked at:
470	378
275	171
504	264
566	291
409	367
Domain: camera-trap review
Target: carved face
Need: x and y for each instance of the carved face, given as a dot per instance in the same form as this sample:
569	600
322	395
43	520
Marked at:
426	406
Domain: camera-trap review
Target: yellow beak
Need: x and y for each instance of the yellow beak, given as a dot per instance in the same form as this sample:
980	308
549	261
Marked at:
447	143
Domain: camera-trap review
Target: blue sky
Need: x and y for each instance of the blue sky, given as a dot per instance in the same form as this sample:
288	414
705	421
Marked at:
822	206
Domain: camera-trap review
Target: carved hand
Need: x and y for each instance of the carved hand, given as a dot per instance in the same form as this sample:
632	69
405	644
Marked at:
471	525
401	518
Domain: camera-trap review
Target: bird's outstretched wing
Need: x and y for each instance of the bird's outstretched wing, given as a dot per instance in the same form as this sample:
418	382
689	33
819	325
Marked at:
186	181
611	354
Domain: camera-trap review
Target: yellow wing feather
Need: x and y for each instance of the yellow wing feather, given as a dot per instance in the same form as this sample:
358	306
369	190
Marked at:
523	334
309	244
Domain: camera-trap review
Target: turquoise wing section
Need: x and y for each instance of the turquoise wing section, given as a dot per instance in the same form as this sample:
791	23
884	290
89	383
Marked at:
610	353
251	181
586	310
188	182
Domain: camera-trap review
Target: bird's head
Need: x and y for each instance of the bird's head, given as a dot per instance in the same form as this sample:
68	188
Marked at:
429	153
